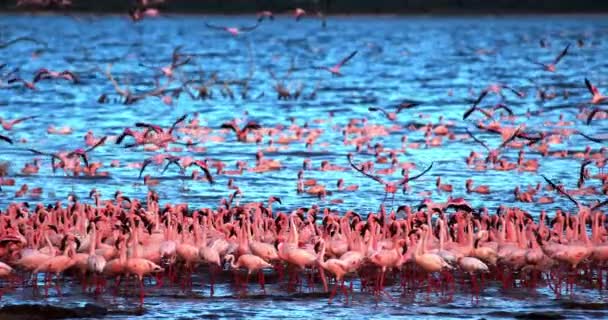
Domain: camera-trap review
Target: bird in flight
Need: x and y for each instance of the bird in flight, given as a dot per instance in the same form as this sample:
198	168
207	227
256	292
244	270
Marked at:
551	67
235	31
335	70
597	96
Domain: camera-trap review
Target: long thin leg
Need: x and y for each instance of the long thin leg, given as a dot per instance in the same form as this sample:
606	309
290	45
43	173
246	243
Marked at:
141	291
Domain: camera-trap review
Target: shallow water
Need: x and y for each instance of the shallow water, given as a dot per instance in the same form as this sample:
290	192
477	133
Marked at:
419	58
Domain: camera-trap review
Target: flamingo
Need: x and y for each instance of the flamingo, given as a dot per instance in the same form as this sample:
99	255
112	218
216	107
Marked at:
252	263
552	66
597	97
335	70
235	31
337	267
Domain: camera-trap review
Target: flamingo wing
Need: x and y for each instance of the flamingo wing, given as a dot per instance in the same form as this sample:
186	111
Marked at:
407	105
483	94
591	87
504	107
23	119
561	55
211	26
5	138
230	125
99	143
249	28
516	92
350	160
592	114
590	138
378	109
558	189
144	165
178	121
418	175
477	140
345	60
206	171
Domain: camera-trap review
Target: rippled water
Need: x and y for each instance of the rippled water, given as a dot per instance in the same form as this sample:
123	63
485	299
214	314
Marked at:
435	60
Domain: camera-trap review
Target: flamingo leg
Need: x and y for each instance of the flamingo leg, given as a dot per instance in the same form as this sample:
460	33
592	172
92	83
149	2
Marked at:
333	292
323	279
46	285
117	281
84	280
159	280
344	290
57	284
141	291
600	279
212	276
246	284
261	279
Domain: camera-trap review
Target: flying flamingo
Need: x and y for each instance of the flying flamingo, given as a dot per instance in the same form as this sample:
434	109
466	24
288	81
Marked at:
392	116
265	15
389	187
597	96
235	31
335	70
45	74
8	125
551	66
298	13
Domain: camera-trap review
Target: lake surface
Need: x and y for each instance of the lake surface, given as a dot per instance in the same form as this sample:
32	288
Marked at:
434	60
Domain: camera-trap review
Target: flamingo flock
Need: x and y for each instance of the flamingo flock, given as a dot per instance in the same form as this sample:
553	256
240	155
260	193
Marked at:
429	247
410	246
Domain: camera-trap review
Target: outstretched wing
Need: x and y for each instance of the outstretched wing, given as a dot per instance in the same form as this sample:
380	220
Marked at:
350	160
406	105
211	26
23	119
592	114
178	121
250	28
558	189
155	128
174	161
591	87
231	126
378	109
504	107
345	60
590	138
5	138
144	165
601	204
516	92
477	140
561	55
483	94
206	171
417	176
99	143
581	177
252	126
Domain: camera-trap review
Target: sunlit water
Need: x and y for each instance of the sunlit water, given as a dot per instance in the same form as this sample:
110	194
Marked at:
418	58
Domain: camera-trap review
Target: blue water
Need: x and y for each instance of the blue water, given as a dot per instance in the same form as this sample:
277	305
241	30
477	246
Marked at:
427	59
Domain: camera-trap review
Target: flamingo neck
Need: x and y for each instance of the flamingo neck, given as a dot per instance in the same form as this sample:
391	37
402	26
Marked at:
93	239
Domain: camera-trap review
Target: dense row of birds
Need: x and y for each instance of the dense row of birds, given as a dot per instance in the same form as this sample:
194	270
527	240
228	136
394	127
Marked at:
442	241
436	242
